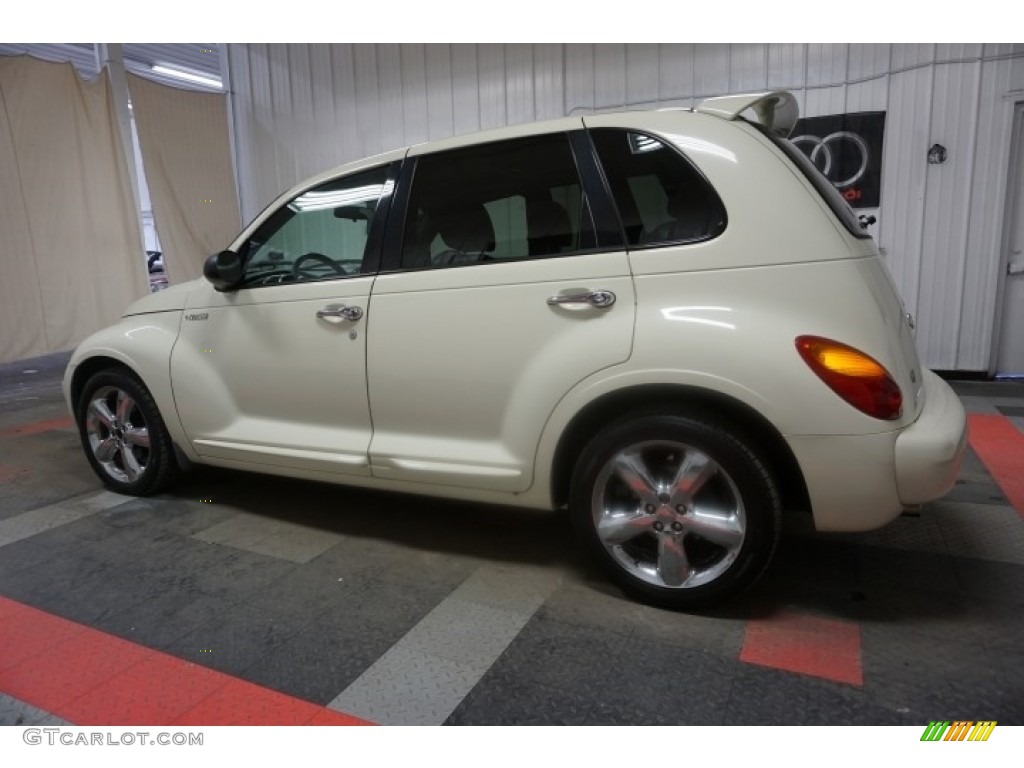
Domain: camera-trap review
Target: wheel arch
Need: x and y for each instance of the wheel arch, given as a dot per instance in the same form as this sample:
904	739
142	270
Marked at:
716	407
88	368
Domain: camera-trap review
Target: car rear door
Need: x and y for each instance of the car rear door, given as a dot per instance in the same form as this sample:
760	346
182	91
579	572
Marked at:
498	294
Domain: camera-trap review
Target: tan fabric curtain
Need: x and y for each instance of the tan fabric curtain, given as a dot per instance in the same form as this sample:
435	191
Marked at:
70	247
187	155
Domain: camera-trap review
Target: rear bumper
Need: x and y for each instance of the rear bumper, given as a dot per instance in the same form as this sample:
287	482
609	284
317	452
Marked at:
929	452
861	482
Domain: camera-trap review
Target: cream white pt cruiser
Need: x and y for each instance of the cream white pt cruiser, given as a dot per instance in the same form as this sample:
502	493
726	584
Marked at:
667	322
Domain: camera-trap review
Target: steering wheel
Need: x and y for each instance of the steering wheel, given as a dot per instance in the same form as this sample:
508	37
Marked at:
297	267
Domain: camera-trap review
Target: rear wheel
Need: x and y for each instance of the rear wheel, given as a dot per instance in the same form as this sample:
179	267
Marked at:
679	512
123	435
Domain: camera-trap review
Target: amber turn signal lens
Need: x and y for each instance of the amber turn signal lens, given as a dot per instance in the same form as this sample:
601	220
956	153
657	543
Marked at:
856	377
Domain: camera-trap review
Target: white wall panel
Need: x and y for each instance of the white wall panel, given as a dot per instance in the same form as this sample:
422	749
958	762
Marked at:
414	94
299	109
389	96
368	100
519	79
642	65
439	84
549	85
491	66
824	101
870	60
944	235
675	74
826	63
787	65
748	70
465	89
901	220
343	81
987	212
609	75
710	69
868	96
958	51
579	78
907	55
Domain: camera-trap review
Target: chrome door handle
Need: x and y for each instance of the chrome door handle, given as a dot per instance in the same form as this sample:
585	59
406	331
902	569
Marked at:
340	310
599	299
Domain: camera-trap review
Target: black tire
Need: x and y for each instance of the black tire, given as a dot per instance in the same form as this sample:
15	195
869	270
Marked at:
662	556
129	467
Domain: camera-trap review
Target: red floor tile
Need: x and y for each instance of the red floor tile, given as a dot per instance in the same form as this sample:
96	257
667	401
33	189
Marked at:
826	648
27	632
91	678
242	703
1000	446
152	692
332	717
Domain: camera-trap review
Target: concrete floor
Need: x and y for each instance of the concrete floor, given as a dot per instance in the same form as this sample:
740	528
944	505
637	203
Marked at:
331	602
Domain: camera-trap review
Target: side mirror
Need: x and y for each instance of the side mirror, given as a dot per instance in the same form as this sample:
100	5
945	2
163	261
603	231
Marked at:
224	270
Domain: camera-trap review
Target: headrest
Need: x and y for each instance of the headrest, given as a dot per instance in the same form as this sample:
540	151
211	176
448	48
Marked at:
468	229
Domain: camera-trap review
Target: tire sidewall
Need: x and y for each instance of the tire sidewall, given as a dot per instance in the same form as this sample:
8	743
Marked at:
160	451
756	488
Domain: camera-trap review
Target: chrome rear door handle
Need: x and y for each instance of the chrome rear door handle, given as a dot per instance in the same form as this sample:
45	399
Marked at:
600	299
340	310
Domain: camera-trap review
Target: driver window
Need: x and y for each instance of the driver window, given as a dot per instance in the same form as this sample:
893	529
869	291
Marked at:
320	235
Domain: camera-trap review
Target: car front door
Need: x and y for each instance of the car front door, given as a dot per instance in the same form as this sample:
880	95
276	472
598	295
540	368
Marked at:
497	295
274	371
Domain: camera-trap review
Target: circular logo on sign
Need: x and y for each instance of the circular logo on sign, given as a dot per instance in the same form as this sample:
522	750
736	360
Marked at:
842	157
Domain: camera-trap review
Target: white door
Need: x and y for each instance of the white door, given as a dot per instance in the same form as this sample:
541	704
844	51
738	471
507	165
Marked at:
274	371
1010	359
497	305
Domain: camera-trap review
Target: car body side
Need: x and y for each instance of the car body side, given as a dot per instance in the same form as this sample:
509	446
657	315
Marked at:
713	329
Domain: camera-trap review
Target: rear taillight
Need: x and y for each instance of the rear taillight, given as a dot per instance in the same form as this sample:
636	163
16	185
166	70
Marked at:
857	378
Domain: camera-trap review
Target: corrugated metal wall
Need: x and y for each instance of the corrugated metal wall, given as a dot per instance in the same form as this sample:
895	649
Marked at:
299	109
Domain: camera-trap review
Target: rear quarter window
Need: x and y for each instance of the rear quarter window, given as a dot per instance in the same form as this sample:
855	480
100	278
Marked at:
661	196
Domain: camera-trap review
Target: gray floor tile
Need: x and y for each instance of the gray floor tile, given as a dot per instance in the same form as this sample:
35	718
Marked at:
565	656
318	661
16	712
690	686
46	518
760	696
501	699
408	687
981	531
270	536
235	640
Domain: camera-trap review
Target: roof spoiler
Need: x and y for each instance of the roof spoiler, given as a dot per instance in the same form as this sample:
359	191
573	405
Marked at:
776	110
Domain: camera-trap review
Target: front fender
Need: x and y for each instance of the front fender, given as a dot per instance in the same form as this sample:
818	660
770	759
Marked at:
142	343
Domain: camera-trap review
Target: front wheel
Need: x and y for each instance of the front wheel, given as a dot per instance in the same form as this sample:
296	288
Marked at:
679	512
123	435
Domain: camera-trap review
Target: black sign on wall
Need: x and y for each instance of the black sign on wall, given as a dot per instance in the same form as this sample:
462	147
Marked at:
848	150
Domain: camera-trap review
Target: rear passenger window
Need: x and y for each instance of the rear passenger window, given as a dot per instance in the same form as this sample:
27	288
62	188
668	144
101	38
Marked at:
508	200
662	198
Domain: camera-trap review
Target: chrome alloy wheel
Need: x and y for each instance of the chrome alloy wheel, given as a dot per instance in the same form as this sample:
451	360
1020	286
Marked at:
118	434
668	514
